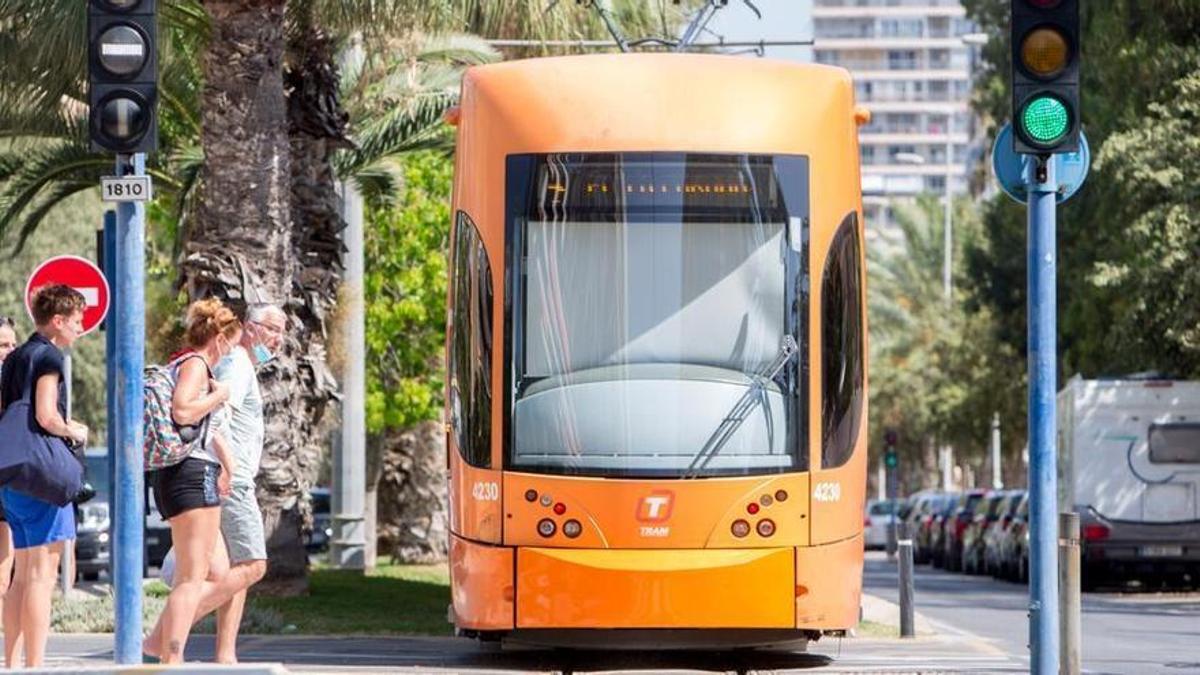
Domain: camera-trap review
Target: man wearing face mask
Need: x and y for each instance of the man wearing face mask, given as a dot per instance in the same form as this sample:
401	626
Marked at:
241	518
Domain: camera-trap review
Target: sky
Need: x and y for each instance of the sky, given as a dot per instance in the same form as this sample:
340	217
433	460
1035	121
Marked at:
782	20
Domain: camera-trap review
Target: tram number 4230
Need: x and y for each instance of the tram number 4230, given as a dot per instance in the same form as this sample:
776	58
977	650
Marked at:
485	491
125	188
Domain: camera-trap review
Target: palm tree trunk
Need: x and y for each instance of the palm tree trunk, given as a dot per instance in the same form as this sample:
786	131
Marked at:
240	243
297	439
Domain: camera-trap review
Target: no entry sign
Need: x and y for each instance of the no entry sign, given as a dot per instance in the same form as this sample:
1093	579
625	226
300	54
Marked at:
78	273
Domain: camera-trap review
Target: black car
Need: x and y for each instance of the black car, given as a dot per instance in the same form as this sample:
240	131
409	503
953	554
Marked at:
317	540
92	520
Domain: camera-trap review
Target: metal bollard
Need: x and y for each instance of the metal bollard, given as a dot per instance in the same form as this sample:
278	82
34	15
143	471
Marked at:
1069	578
906	589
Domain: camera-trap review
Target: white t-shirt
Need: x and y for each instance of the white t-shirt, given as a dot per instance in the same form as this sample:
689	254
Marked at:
205	451
244	428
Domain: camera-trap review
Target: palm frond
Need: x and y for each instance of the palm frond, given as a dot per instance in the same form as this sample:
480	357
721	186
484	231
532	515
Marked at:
51	198
457	48
379	183
45	169
402	129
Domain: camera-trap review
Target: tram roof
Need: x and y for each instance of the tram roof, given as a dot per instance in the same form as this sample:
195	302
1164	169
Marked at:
648	101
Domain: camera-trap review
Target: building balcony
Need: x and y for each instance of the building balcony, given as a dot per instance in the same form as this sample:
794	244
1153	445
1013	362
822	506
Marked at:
952	10
906	105
894	137
956	169
890	43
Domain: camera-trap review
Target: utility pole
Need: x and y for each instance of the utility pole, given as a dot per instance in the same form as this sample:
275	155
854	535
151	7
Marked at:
997	477
348	544
948	227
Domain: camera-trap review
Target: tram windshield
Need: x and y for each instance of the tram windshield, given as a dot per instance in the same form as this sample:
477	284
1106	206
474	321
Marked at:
657	301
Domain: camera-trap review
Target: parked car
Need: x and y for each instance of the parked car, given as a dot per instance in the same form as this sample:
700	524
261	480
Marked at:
937	529
974	544
1014	546
955	525
876	522
93	523
318	539
916	522
997	533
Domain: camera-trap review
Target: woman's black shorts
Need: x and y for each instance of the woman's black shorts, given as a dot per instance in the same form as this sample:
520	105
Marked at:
190	484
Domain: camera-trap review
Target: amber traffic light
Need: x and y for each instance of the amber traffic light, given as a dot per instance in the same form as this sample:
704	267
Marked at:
1045	76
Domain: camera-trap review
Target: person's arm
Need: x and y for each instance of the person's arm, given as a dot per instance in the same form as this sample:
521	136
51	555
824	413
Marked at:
188	406
46	411
228	463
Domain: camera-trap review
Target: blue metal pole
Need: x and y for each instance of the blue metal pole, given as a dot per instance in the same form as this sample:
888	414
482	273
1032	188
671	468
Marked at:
1043	359
130	355
109	243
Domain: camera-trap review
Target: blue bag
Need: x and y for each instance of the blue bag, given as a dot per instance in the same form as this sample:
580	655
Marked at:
31	461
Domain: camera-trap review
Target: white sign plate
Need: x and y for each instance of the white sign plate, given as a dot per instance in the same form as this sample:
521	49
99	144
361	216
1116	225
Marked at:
125	188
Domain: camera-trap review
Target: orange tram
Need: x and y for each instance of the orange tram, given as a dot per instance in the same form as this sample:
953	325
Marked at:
656	395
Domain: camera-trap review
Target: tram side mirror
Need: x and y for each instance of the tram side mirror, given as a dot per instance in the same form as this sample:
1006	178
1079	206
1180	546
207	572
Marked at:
796	233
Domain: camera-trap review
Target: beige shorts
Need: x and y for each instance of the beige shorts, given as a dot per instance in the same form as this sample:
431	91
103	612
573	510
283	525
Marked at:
242	526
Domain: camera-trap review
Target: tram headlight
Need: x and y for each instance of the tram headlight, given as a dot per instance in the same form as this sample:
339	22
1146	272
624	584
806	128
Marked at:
740	528
572	529
766	528
546	527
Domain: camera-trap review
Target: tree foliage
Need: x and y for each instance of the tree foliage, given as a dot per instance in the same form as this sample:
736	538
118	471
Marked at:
405	295
1120	279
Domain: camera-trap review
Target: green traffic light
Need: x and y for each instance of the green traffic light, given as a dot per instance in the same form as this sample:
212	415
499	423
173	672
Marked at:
1045	119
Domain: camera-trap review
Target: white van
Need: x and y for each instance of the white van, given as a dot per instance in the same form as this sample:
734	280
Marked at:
1129	463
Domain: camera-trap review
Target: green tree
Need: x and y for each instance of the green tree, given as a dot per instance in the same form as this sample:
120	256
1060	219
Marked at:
936	372
1135	53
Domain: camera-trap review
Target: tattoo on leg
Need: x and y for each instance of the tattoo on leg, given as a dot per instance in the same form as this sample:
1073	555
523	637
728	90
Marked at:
174	646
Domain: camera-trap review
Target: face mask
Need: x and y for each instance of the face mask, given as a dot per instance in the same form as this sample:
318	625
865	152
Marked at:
262	354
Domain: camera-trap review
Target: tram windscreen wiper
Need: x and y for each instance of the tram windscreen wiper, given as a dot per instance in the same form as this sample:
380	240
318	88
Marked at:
754	396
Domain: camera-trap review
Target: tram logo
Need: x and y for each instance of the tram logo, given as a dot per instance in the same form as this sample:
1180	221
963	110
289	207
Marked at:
656	507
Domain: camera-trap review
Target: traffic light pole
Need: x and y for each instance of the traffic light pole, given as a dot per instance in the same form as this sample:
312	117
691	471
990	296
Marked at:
130	327
1043	358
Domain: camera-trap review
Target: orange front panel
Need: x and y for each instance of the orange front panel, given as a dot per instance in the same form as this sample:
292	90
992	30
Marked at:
829	585
563	588
481	585
656	514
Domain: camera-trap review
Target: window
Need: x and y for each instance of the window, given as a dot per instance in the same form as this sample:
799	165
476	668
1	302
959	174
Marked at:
841	347
471	345
1175	443
656	302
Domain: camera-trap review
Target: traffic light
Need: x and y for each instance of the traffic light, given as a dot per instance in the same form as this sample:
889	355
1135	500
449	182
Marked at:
1045	76
122	76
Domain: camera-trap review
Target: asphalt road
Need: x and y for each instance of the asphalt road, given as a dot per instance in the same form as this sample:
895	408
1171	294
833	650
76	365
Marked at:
1123	632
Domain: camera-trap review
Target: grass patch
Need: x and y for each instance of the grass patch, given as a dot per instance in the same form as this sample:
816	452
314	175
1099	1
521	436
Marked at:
393	599
872	629
96	615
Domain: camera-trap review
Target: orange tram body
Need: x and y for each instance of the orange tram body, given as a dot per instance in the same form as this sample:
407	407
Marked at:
656	391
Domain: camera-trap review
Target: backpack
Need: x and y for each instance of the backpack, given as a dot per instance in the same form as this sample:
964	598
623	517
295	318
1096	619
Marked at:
165	443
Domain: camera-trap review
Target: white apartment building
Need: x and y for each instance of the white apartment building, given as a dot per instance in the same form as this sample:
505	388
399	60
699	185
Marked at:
912	70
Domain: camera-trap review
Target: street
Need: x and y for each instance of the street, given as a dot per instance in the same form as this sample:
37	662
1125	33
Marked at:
1122	632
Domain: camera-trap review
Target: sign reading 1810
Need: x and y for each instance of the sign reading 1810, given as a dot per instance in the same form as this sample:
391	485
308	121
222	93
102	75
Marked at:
125	188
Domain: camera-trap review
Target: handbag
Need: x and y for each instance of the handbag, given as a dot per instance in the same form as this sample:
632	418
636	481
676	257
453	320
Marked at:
31	461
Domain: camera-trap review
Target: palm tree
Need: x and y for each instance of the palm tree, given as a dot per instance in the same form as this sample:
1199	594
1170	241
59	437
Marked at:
249	178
